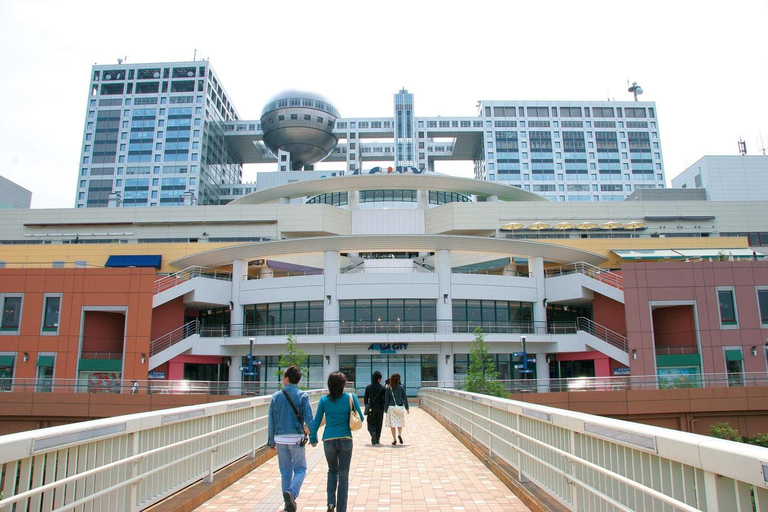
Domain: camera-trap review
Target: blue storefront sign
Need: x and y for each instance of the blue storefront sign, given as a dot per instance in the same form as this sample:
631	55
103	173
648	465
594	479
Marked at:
388	348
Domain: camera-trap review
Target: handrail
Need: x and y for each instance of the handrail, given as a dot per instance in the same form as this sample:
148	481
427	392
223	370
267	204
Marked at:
602	332
588	462
143	458
167	282
580	267
169	339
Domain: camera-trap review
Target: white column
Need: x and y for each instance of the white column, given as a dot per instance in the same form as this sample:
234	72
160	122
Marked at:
239	274
511	268
284	200
265	272
353	200
444	304
492	199
235	376
445	364
330	362
536	268
331	305
542	373
422	198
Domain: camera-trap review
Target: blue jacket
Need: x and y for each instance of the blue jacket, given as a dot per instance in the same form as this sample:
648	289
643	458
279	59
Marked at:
336	418
282	419
399	398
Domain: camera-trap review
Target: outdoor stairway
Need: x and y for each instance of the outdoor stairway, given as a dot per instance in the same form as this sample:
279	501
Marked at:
563	282
172	286
160	348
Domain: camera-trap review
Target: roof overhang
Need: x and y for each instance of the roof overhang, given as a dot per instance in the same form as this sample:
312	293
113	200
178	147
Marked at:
396	181
389	243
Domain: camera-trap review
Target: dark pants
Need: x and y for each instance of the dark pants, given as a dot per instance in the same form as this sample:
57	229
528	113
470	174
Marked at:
375	420
338	454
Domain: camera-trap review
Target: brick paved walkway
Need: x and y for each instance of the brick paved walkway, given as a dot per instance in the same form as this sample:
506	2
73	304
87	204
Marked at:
432	471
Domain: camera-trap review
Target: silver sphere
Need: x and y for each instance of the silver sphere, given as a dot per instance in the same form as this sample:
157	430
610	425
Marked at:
300	123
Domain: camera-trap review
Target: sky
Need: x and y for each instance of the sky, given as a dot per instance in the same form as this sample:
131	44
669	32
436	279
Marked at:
702	62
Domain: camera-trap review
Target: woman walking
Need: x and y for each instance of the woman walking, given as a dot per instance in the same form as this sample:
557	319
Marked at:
395	406
374	406
337	438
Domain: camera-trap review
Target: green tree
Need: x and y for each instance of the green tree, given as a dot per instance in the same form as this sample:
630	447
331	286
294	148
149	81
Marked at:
482	375
722	430
293	355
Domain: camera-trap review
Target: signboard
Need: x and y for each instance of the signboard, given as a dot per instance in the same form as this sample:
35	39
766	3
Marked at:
388	348
621	371
518	354
156	375
525	371
530	359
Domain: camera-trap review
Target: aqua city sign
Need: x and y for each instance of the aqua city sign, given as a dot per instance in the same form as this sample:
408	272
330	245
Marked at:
388	348
400	169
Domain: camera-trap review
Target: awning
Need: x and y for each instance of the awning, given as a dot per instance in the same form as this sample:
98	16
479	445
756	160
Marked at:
100	365
45	361
647	254
6	360
139	260
716	253
734	355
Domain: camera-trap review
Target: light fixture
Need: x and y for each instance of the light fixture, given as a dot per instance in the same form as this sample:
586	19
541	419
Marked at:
447	358
754	350
634	354
26	357
328	298
327	359
445	298
548	361
143	358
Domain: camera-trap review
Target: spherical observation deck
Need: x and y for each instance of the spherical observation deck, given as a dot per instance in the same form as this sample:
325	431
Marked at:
300	123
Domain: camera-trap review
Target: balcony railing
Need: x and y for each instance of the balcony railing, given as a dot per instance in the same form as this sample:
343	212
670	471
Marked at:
112	356
167	282
677	350
169	339
491	272
600	274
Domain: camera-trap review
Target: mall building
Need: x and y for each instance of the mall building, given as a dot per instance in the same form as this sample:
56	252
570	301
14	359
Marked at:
389	271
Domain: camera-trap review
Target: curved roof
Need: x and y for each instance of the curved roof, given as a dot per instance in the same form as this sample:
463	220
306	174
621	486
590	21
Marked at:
395	181
389	243
318	101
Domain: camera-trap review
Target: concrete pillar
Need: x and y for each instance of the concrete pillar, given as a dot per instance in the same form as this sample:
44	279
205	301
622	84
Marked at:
492	199
511	268
235	376
239	275
445	364
265	272
330	362
444	299
284	200
331	305
536	268
422	199
114	200
353	200
542	373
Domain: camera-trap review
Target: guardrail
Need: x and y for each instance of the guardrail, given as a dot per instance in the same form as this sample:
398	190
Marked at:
170	339
593	463
167	282
598	331
492	272
580	267
130	462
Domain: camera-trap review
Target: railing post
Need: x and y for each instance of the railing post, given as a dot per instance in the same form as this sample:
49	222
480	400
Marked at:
134	494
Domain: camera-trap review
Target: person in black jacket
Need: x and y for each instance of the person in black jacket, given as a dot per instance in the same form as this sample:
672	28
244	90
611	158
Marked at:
374	401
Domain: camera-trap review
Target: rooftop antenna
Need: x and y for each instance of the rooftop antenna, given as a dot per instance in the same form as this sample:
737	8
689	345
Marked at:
742	147
195	57
635	89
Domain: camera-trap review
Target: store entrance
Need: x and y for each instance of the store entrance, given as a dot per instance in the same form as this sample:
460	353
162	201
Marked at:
413	368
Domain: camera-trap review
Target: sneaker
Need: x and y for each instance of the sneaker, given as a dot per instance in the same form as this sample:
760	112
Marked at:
290	502
331	508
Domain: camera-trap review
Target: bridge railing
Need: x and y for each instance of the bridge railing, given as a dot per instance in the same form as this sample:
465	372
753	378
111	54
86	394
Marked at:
128	463
593	463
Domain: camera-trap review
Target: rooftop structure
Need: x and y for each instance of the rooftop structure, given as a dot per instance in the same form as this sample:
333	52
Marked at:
13	196
727	177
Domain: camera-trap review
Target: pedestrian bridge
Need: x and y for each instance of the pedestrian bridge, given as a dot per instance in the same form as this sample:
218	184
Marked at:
542	457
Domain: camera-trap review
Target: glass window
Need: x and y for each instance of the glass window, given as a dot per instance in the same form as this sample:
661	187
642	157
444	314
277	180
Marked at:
727	307
51	309
762	299
11	318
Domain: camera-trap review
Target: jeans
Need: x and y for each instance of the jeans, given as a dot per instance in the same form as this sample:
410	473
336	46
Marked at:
293	467
338	454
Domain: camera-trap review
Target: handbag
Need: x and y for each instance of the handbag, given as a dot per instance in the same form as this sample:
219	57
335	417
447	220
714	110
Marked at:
397	410
355	421
298	417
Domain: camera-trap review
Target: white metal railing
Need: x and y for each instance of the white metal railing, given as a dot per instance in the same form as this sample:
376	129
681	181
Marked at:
128	463
170	339
599	331
603	275
589	462
167	282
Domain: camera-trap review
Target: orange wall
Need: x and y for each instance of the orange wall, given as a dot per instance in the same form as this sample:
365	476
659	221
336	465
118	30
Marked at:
130	288
609	313
167	317
674	326
103	331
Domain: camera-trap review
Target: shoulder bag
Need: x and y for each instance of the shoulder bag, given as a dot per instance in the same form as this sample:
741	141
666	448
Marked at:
298	417
397	410
355	421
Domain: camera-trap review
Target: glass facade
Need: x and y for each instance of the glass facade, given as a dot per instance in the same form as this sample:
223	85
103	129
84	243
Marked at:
409	315
505	364
492	316
388	196
333	199
279	318
413	369
438	197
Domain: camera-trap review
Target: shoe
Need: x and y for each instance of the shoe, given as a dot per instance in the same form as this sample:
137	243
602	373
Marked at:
401	439
290	502
394	443
331	508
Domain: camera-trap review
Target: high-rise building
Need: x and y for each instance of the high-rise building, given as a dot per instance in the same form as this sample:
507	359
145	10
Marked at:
167	135
727	177
13	196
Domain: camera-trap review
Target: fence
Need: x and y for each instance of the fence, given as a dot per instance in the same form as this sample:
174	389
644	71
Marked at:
128	463
167	282
592	463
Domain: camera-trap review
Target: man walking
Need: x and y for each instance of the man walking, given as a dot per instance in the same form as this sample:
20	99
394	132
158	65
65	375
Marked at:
374	405
289	415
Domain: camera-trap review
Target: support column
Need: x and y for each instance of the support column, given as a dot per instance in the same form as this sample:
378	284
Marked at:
422	199
239	274
330	362
445	364
536	268
353	200
284	200
444	300
330	301
266	273
511	268
492	199
235	376
542	373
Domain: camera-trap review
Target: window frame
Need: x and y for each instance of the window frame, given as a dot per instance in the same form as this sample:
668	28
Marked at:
735	323
11	330
758	289
50	331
